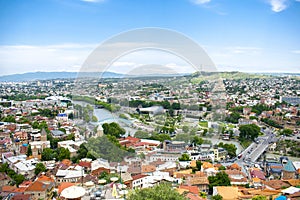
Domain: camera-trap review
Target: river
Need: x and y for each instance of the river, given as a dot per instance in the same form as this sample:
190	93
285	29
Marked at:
105	116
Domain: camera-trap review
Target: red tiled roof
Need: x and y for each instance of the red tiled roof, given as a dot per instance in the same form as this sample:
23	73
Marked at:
85	164
44	178
8	188
21	197
66	162
38	186
20	190
138	176
144	143
64	185
192	196
192	189
25	184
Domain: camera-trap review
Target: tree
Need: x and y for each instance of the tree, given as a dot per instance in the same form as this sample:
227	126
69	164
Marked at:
141	134
220	179
94	118
71	116
286	132
158	192
107	147
198	140
184	157
40	167
71	137
230	148
249	132
18	178
47	154
113	129
222	168
29	151
160	137
217	197
185	129
259	197
233	118
63	153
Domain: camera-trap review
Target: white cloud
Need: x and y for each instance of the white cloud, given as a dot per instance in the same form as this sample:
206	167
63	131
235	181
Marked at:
200	1
28	58
278	5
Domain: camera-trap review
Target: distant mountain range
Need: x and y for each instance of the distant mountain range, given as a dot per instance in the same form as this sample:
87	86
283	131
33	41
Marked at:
31	76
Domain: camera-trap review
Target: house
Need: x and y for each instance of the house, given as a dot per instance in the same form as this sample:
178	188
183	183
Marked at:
227	192
257	173
20	136
72	174
200	181
139	181
288	171
86	163
4	179
129	141
275	184
70	145
234	166
148	169
37	147
163	156
22	166
127	179
21	197
257	177
208	169
191	189
219	153
40	190
57	133
98	166
174	146
274	169
237	177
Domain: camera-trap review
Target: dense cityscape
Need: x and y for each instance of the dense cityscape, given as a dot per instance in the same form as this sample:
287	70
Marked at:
116	138
149	100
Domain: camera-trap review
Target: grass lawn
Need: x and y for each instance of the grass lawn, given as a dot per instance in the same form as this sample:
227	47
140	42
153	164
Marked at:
245	143
203	124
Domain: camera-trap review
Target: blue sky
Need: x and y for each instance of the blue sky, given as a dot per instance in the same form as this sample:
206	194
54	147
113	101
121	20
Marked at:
58	35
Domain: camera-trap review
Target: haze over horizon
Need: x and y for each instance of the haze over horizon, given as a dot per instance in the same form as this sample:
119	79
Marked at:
247	36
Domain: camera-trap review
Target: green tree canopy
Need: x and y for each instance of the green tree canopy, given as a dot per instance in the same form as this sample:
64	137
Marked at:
29	151
217	197
63	153
230	148
185	129
48	154
184	157
113	129
220	179
259	197
287	132
158	192
249	132
39	167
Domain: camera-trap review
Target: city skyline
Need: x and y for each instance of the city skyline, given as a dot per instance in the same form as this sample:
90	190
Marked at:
252	36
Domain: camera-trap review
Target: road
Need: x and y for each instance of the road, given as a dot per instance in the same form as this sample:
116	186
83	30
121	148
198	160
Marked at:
251	154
